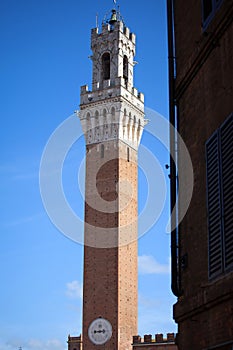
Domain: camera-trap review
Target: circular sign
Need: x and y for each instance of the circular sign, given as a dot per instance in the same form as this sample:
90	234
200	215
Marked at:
100	331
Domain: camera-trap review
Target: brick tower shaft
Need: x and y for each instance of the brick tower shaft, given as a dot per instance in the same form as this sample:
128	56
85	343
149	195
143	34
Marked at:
112	117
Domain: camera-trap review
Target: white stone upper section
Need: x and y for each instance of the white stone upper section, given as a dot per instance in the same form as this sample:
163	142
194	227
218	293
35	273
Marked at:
119	43
112	121
113	109
112	89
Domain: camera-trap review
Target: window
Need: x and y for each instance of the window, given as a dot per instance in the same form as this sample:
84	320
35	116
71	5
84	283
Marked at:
104	117
125	68
127	154
209	8
88	121
102	151
219	159
106	66
113	112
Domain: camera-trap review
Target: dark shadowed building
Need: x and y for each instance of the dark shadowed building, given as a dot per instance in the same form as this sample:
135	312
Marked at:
201	106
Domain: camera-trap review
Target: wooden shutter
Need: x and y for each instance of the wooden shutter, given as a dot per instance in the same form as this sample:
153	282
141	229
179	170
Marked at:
226	146
214	206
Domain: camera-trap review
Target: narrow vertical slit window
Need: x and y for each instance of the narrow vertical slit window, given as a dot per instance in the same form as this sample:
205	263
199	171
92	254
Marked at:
125	68
102	151
128	154
105	117
88	119
113	112
106	66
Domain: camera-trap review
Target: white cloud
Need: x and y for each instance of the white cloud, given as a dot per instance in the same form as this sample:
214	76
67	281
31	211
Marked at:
74	290
148	265
155	315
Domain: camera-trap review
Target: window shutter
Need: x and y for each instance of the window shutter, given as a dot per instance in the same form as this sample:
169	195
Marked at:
207	7
226	144
214	206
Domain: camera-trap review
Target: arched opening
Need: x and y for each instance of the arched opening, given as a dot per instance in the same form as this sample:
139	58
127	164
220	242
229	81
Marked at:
96	118
104	117
125	68
106	66
138	130
128	125
113	114
114	125
113	111
133	129
88	121
124	123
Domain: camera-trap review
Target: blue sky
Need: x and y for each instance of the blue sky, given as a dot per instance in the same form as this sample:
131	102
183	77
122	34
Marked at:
45	47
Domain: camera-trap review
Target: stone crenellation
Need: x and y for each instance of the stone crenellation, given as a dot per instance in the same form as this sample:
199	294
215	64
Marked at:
159	342
111	88
147	342
113	109
110	121
119	26
118	43
74	343
159	338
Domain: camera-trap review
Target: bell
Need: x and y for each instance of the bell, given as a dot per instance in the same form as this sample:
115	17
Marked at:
113	18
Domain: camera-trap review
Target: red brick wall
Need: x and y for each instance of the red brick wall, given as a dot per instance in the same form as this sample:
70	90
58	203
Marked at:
110	272
204	92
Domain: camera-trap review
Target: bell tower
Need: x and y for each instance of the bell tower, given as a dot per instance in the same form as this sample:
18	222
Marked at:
112	118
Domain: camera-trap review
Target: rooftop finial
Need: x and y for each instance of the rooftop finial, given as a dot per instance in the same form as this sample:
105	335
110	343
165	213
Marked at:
113	18
115	15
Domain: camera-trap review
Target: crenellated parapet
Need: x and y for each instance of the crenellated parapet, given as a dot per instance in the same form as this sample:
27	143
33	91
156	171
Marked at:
74	343
113	109
113	38
118	26
112	120
109	90
113	54
159	342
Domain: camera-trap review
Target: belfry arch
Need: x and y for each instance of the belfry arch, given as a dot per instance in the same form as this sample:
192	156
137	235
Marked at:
106	66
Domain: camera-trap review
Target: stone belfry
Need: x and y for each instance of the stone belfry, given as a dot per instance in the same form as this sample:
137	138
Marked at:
112	118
